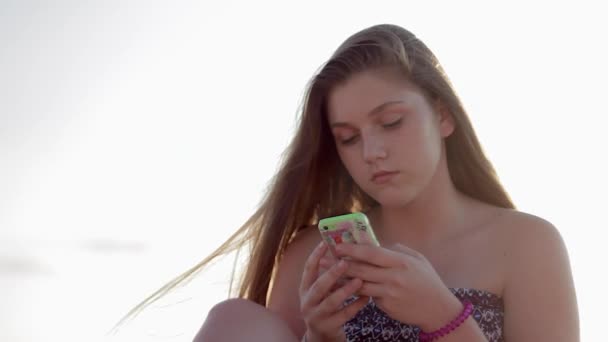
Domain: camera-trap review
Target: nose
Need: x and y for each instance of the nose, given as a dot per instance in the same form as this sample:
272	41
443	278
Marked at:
373	149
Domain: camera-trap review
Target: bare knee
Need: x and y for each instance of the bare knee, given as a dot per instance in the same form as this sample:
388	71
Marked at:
229	307
253	322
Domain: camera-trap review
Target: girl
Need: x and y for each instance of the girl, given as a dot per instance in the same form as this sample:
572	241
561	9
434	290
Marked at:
383	132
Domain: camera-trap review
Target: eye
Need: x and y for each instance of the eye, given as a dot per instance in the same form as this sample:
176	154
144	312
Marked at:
392	124
349	141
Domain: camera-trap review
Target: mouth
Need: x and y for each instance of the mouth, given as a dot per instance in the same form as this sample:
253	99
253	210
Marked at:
383	176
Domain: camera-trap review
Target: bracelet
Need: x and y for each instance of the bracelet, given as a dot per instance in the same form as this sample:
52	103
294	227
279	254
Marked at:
448	328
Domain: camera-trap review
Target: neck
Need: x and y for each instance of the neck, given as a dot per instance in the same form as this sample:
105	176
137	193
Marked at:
434	215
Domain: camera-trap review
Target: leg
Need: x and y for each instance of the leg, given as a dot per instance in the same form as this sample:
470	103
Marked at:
243	320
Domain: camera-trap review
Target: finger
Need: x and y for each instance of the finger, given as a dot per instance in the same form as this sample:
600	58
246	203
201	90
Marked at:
374	255
311	268
324	267
329	258
348	312
367	272
334	301
337	319
406	250
330	255
374	290
327	263
354	307
321	287
339	283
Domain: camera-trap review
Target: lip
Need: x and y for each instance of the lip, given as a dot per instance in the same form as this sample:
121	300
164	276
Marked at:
381	177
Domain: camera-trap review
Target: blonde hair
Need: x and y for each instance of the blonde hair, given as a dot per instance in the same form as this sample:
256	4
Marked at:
312	183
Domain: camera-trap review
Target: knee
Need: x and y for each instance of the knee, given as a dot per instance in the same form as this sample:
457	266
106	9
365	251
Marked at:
220	320
255	323
253	320
232	308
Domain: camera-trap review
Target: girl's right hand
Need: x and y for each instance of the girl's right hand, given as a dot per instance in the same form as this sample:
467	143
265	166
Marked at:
322	308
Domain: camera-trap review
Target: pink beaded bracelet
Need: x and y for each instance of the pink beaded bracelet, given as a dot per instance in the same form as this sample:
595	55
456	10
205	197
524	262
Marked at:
466	312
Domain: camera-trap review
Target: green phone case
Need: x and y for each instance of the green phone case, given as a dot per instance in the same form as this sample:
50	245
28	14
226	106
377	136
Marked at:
349	228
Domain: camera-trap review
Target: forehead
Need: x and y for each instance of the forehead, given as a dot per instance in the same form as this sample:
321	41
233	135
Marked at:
366	90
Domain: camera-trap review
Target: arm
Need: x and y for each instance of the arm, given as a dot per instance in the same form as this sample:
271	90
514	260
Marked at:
406	287
539	296
284	297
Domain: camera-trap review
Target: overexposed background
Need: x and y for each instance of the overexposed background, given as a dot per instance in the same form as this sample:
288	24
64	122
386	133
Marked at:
135	136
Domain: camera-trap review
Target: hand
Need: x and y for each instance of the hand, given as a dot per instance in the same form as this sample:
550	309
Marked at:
322	309
328	260
403	284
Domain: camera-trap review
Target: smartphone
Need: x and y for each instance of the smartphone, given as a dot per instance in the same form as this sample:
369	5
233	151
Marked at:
349	228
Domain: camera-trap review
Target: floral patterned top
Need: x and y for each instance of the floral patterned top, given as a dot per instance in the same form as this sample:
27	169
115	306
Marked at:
371	324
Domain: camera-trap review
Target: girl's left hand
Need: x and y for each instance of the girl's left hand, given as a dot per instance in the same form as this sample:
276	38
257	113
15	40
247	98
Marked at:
403	283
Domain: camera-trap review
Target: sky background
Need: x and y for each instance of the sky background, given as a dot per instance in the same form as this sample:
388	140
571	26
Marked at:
135	136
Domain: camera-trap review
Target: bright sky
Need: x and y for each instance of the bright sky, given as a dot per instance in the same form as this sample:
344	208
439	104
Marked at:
135	136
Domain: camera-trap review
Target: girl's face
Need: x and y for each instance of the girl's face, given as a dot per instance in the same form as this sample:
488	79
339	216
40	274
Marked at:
388	136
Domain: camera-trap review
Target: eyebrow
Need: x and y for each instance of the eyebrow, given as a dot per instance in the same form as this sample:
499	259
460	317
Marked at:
374	111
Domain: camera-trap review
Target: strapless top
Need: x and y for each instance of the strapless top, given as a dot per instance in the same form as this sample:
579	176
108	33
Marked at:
372	324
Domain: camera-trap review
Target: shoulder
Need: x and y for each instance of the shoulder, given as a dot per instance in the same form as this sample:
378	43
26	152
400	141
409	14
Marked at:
523	234
538	286
519	224
527	242
284	296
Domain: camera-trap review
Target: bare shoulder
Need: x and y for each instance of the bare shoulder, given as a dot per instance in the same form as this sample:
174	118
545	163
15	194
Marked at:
538	287
517	227
528	242
523	234
284	296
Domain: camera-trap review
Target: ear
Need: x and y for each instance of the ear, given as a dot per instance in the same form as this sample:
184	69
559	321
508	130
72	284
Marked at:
446	119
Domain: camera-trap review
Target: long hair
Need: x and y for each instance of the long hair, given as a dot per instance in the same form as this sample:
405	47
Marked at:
311	182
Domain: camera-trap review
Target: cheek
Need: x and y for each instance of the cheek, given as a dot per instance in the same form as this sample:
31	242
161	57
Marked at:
352	161
356	167
425	138
417	154
433	144
424	162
